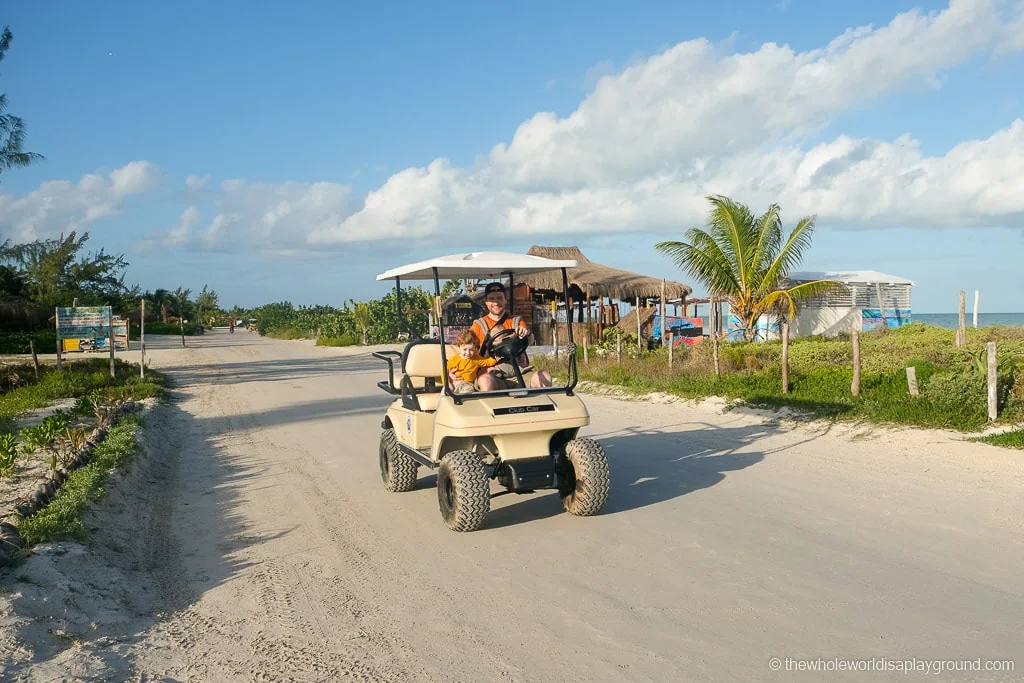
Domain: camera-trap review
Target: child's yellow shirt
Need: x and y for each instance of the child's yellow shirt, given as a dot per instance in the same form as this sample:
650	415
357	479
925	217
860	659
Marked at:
468	368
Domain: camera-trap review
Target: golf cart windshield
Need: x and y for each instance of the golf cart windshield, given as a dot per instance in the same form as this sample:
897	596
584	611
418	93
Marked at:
486	265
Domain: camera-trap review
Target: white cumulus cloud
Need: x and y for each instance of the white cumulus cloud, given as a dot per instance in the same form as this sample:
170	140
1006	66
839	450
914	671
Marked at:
270	217
62	206
644	148
640	152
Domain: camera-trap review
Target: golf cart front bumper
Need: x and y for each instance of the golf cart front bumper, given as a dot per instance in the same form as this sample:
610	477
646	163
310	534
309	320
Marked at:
527	474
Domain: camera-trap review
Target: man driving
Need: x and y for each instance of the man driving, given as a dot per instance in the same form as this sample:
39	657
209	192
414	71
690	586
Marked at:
497	316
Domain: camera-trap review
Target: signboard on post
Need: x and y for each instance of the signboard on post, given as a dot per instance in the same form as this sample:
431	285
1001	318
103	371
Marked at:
120	334
84	328
458	315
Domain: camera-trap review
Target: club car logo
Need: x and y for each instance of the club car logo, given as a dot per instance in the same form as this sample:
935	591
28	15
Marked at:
519	410
408	424
523	409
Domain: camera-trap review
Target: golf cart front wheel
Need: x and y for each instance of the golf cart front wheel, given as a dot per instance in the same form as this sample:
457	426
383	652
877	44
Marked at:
463	491
588	480
397	469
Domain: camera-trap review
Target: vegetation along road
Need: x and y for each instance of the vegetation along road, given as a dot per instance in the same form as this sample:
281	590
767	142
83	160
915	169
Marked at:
253	540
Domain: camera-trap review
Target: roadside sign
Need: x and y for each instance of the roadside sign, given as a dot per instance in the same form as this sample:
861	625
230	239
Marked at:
88	328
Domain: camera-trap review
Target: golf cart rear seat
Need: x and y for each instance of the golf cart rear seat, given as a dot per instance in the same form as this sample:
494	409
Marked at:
422	370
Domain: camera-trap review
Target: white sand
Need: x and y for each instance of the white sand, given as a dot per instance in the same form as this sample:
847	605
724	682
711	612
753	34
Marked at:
253	540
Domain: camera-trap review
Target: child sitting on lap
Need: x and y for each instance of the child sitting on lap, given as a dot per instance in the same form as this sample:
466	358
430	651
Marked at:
464	368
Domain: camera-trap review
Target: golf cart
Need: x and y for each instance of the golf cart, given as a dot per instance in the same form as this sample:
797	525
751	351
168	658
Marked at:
525	438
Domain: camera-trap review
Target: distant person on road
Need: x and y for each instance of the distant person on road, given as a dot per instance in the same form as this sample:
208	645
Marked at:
497	318
464	369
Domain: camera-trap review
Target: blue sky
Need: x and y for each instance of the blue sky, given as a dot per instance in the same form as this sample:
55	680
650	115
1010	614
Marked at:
306	109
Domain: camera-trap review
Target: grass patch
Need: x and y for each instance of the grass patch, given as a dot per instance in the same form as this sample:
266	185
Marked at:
78	378
953	388
285	333
62	517
1014	439
343	340
134	333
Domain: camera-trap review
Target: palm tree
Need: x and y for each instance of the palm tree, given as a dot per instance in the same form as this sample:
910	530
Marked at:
363	318
12	128
744	260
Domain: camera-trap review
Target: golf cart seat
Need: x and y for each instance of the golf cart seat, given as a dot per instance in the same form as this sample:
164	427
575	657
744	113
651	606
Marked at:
422	374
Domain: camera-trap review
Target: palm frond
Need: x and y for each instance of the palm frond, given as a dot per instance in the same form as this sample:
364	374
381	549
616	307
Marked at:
769	237
780	300
790	255
809	290
703	258
730	224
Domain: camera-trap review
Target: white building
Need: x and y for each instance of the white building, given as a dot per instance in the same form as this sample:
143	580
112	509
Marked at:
834	313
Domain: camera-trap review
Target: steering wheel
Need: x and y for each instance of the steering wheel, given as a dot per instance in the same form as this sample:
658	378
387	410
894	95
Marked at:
507	346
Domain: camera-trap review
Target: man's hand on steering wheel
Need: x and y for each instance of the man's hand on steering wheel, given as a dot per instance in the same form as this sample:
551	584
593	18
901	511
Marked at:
522	332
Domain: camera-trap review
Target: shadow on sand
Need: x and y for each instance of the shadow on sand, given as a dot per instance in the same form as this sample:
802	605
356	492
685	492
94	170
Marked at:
654	466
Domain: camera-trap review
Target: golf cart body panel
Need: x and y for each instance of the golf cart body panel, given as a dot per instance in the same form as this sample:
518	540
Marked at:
525	438
518	427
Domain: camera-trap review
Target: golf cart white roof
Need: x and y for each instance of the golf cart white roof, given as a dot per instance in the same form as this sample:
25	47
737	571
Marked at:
478	264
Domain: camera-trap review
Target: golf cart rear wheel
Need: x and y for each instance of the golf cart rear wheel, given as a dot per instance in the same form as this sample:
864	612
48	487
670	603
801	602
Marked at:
463	491
397	470
588	478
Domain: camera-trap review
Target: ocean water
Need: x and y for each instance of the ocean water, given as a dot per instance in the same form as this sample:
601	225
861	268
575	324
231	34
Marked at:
951	320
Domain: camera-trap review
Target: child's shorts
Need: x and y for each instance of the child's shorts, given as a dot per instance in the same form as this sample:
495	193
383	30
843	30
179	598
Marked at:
463	387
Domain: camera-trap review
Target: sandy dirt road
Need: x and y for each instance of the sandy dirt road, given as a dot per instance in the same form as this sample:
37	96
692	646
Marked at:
253	541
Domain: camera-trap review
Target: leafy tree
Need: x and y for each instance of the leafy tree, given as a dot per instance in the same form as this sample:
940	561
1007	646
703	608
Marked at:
363	319
451	288
206	303
181	299
54	272
12	128
745	260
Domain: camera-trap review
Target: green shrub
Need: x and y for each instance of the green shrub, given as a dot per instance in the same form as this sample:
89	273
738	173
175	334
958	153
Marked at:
347	339
62	517
8	453
79	378
161	329
18	342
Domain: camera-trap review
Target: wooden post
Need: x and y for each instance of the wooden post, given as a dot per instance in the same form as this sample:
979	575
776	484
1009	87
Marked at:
976	294
855	385
881	305
993	405
618	346
664	323
142	340
961	330
181	325
554	336
671	344
912	381
714	336
56	326
586	345
785	355
639	344
110	339
35	358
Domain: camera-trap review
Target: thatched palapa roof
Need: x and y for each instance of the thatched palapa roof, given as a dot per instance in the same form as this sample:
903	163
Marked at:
20	314
628	324
599	280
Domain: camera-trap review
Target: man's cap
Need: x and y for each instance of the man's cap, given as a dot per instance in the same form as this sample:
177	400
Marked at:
494	287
